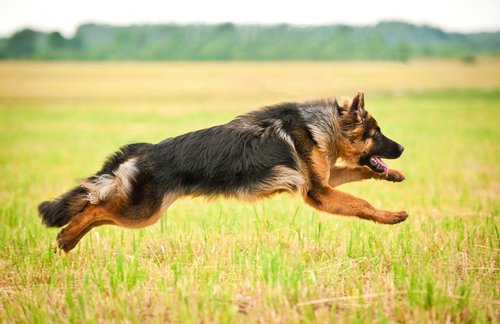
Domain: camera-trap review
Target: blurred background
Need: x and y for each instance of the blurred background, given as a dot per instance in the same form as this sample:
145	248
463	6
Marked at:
222	30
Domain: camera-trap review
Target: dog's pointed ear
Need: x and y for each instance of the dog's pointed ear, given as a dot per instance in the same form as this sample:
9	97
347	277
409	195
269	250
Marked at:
358	102
358	105
338	107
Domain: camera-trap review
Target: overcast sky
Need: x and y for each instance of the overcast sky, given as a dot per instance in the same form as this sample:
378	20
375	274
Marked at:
65	15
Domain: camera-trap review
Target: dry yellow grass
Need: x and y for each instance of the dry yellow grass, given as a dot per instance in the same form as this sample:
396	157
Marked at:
288	79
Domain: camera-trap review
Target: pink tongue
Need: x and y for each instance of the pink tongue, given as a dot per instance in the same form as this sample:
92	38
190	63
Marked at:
382	164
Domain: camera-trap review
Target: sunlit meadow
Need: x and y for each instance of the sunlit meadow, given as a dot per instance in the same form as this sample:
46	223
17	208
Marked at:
273	261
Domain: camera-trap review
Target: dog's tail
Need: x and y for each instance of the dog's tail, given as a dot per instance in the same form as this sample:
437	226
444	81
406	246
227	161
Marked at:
59	212
116	179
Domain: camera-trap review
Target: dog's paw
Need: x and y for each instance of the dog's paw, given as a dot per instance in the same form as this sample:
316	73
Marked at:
397	217
394	176
62	241
388	217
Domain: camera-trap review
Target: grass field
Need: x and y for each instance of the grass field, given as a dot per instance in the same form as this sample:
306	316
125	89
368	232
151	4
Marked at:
275	261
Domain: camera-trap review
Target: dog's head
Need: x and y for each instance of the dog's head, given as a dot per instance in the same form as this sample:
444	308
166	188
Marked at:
364	143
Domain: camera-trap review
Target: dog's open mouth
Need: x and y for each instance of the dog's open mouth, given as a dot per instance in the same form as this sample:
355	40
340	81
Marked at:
379	164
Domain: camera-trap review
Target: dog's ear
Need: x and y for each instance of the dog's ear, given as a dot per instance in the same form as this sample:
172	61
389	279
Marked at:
340	109
358	105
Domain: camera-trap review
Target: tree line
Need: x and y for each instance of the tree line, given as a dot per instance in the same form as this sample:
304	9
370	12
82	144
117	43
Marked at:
385	41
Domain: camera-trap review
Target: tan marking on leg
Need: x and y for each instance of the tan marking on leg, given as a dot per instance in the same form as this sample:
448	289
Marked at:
320	164
340	203
340	174
71	234
70	245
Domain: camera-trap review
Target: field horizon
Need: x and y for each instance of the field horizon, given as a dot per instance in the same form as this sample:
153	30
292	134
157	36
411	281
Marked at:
275	260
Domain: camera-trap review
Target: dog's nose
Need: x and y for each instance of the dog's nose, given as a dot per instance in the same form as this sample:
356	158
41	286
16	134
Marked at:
401	148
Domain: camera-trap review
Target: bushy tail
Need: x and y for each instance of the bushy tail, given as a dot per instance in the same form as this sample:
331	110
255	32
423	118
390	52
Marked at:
59	212
116	177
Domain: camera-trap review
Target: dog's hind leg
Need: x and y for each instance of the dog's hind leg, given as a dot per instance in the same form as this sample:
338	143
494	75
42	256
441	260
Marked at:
110	213
81	224
69	245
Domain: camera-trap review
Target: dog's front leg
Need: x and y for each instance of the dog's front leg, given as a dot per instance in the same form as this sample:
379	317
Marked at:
340	174
340	203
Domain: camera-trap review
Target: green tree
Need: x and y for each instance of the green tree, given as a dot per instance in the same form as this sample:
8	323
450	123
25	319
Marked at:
401	52
56	41
21	44
220	42
373	48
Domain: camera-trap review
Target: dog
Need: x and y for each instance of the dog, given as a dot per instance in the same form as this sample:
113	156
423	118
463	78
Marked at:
288	147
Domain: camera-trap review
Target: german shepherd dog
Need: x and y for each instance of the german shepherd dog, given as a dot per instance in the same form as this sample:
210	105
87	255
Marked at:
288	147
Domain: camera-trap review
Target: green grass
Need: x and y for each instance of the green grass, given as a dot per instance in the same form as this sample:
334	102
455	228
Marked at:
273	261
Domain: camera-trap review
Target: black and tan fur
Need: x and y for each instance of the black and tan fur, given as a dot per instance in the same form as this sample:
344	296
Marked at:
289	147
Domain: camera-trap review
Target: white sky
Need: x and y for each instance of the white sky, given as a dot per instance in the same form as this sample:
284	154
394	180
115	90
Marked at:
66	15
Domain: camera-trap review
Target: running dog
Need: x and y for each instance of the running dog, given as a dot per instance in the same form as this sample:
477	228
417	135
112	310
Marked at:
289	147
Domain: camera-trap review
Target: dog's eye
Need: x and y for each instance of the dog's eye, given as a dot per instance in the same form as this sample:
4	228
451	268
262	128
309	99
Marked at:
376	134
